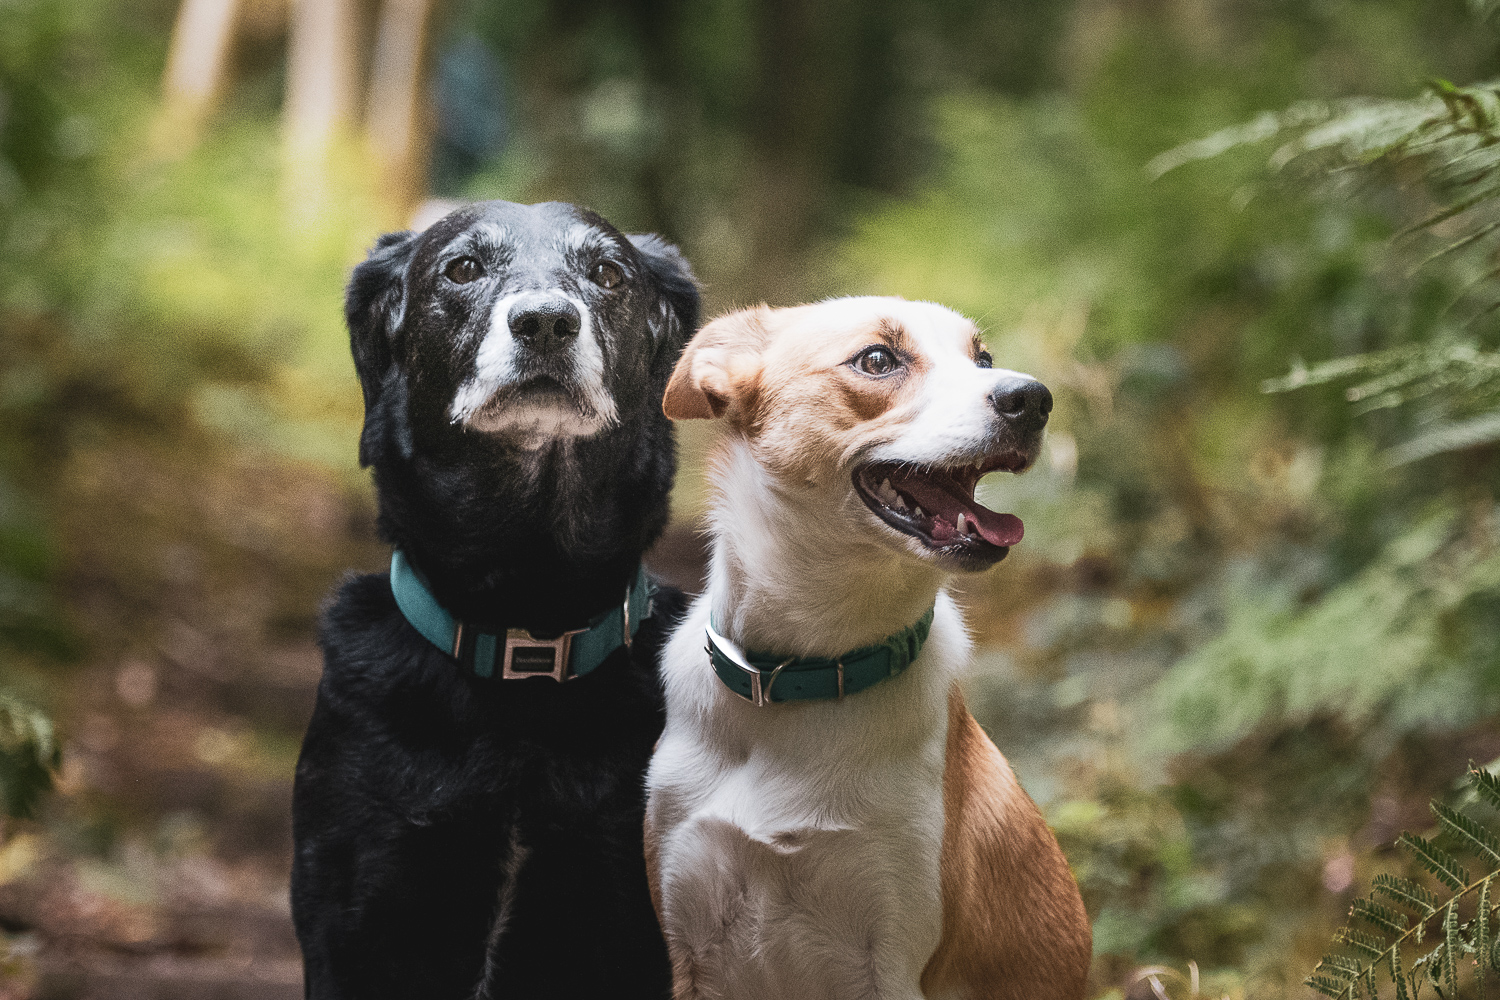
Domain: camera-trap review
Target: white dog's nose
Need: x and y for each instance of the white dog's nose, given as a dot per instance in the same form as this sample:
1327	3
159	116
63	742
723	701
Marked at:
543	321
1024	402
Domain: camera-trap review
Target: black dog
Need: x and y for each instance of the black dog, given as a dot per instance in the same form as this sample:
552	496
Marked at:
464	830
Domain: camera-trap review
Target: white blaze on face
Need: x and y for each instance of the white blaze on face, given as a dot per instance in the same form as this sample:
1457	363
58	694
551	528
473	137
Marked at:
535	421
952	414
493	366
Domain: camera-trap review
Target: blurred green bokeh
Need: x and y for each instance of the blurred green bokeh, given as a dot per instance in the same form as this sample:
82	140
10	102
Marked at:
1239	648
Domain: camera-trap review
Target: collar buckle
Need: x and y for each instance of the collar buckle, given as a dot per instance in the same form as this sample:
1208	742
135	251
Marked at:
757	694
527	656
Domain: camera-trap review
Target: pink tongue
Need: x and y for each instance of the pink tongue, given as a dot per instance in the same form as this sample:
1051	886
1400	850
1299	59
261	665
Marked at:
997	529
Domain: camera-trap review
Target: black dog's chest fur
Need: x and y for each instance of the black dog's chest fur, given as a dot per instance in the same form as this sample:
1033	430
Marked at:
442	805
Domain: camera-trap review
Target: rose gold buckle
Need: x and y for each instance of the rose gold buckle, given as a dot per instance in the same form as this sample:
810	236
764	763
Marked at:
528	656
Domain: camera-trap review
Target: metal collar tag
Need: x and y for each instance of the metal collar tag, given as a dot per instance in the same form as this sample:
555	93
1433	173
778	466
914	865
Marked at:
527	656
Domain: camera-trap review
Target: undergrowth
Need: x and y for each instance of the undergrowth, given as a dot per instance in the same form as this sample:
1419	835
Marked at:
1390	927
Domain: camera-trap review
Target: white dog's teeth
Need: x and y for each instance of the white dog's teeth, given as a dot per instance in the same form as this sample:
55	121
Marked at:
916	510
899	503
959	526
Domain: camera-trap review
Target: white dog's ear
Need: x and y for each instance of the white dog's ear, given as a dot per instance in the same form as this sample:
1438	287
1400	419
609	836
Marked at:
717	372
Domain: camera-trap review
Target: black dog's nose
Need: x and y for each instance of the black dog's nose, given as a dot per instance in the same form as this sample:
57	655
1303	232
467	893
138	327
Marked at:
1024	402
544	321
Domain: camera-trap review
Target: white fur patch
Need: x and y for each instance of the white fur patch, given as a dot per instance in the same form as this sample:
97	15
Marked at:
534	422
580	236
954	416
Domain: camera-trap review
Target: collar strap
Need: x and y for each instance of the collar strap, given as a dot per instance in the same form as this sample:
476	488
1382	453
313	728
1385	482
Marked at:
519	654
760	678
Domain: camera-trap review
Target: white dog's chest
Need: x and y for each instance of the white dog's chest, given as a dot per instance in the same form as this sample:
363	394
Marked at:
799	846
776	903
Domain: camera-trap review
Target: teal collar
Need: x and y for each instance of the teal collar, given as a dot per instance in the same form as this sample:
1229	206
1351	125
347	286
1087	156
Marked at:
519	654
760	678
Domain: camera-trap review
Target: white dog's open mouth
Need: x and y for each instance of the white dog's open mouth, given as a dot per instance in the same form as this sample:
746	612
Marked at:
936	505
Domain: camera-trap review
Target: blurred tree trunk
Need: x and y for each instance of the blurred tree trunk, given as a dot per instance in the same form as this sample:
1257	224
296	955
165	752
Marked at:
196	63
319	92
394	118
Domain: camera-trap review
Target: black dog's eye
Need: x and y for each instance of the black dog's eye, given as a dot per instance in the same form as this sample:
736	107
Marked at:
606	274
984	360
876	361
462	270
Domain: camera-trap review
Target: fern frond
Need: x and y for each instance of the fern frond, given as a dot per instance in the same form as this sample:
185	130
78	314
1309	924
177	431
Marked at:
1452	135
1486	784
1473	837
1469	834
1408	893
1482	934
1436	860
1448	437
1378	915
1368	944
1458	244
1449	958
1340	966
1334	988
1397	976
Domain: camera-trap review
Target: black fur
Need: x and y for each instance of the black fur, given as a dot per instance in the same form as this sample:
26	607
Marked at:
459	837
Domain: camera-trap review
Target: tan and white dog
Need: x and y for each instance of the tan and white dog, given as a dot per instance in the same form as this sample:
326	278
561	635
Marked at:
870	844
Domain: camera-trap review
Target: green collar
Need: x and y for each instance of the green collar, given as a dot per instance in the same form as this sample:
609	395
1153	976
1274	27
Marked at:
519	654
812	678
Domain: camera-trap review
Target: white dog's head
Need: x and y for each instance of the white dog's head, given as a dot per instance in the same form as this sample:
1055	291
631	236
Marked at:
875	414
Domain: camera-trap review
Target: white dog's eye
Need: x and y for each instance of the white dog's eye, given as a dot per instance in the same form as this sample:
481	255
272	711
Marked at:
462	270
876	361
984	360
606	274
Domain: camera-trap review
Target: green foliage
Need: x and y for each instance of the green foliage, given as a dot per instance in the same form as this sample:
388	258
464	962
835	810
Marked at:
1462	944
1447	144
29	753
1397	639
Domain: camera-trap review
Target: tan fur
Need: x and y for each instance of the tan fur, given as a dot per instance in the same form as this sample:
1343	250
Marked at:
1014	927
709	378
787	362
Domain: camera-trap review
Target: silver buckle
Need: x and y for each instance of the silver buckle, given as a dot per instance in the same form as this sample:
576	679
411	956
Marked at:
528	656
757	696
760	694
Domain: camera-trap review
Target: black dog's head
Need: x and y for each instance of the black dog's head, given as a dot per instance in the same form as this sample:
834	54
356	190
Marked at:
513	359
530	323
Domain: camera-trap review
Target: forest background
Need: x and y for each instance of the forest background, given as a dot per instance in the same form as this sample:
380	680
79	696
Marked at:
1248	634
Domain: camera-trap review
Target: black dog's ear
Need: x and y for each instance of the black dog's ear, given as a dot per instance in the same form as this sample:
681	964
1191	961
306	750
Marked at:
675	317
375	308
